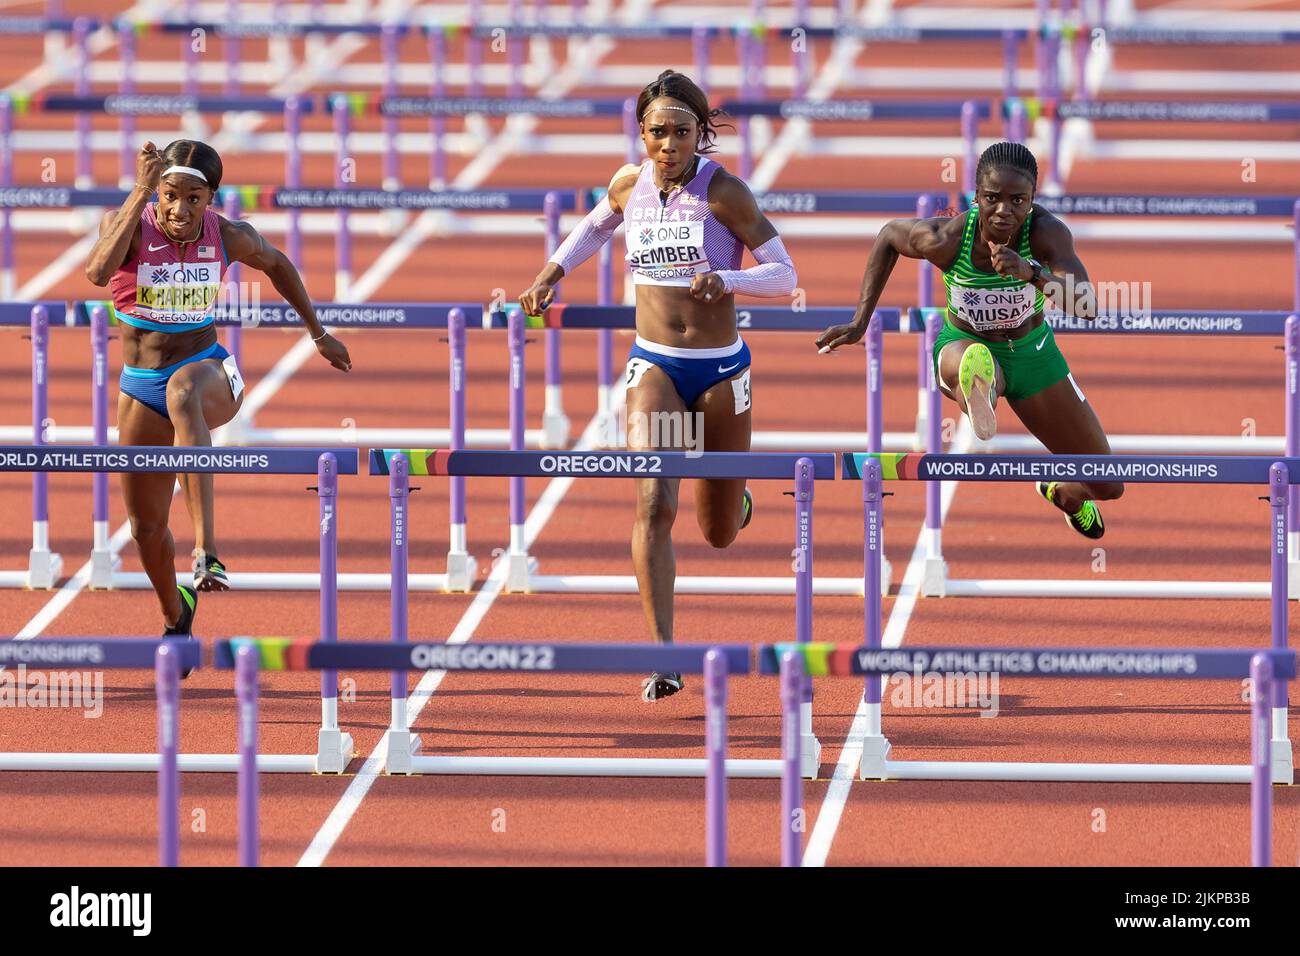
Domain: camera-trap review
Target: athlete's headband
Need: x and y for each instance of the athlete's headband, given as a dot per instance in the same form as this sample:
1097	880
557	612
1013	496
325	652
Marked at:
682	108
187	170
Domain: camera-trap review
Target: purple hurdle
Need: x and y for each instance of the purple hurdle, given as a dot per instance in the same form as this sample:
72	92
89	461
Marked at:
246	667
715	743
1261	782
389	43
43	566
1279	485
293	174
103	563
167	688
555	424
515	51
8	277
343	238
924	300
333	747
1291	339
936	570
803	58
85	170
234	334
401	743
230	49
970	128
701	38
520	566
461	566
474	49
438	124
792	680
190	56
127	154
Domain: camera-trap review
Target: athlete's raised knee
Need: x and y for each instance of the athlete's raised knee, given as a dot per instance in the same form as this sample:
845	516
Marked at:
719	535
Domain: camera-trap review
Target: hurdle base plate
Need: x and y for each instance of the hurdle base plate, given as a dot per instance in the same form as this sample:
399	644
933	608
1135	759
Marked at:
1283	762
103	565
520	568
43	569
555	430
810	756
462	569
1293	580
934	578
333	751
875	758
403	748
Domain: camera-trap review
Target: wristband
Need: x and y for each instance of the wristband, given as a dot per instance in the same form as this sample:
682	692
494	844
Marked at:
324	332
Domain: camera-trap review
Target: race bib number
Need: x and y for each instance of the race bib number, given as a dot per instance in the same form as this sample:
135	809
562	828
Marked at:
232	373
988	309
636	367
740	391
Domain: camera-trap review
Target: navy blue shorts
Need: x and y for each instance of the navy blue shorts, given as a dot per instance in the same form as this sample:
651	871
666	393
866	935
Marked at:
694	371
149	385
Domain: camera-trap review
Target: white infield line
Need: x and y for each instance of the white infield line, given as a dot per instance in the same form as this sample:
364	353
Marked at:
846	770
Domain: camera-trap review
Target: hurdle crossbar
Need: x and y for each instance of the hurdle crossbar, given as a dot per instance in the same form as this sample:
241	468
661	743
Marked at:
716	663
520	568
333	746
1278	475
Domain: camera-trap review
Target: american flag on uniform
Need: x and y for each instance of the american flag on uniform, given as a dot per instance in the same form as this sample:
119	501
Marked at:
207	252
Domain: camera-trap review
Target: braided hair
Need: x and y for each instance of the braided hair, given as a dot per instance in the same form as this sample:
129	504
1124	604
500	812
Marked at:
680	87
1008	156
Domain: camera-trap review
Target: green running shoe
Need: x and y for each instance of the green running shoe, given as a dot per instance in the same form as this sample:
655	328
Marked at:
1087	520
747	506
975	377
185	625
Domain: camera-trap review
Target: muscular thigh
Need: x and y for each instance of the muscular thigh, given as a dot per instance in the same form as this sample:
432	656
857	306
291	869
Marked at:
724	414
1063	420
206	379
653	397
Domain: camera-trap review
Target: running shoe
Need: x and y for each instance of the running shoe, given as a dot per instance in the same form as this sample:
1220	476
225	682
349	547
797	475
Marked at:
747	506
975	377
210	574
185	624
657	686
1087	520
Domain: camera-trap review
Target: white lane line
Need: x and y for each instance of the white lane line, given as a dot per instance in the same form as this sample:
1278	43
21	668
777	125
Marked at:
332	829
846	770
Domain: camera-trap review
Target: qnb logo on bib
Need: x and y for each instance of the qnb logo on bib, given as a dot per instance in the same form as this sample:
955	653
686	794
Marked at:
177	293
670	250
995	308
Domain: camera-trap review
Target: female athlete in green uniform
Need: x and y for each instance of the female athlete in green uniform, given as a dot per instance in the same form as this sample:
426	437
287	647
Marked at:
998	260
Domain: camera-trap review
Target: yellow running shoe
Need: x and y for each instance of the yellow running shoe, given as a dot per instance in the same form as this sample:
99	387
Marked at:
1087	520
975	377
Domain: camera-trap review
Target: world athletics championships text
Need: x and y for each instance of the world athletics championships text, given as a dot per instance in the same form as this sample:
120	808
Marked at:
381	199
122	461
1017	470
38	652
1045	662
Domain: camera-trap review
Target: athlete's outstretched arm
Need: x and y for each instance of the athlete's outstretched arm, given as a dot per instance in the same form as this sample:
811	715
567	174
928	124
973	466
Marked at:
913	238
117	228
244	244
734	206
594	231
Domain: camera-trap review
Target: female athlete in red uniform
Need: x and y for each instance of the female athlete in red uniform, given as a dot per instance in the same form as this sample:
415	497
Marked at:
164	263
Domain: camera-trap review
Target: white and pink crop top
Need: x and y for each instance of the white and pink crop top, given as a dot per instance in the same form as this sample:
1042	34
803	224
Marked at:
169	286
671	241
